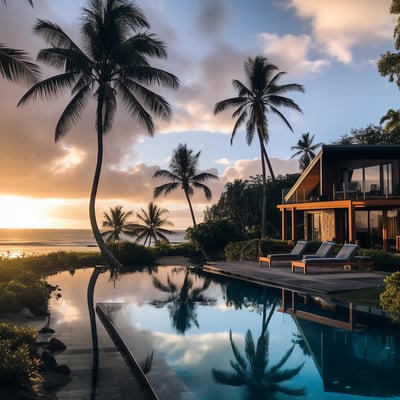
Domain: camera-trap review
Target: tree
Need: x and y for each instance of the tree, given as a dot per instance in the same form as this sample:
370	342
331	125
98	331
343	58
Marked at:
15	64
389	63
112	62
257	98
184	174
305	149
116	220
371	134
392	119
152	225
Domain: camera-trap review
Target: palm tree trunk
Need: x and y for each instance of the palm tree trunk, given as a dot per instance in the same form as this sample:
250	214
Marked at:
190	208
264	191
109	257
264	150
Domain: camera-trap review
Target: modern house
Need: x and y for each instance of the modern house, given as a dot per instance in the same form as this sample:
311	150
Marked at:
348	194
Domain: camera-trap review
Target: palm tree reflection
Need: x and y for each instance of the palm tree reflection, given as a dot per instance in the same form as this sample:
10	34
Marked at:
182	301
253	370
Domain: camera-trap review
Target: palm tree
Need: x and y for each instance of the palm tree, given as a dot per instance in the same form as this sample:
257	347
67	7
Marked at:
151	224
253	369
112	62
117	222
262	95
184	175
305	149
15	64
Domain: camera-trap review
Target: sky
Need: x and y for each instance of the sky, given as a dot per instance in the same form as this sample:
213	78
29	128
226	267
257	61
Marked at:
330	47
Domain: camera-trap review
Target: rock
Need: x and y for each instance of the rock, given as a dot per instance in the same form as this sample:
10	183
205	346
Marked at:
46	329
25	313
49	362
53	380
56	344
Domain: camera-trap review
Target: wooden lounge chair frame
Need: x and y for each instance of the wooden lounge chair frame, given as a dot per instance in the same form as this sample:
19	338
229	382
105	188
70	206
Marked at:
345	259
296	254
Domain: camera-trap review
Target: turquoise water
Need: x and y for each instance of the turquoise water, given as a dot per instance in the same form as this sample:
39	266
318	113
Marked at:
198	322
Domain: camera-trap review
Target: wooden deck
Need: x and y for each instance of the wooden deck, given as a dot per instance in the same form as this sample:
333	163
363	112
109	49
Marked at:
317	280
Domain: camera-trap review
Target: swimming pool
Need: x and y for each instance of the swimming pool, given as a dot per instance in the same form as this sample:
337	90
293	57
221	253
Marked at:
226	339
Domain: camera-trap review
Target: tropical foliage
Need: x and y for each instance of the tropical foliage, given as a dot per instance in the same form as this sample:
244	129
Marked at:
184	175
15	64
113	61
151	225
261	95
389	299
305	150
117	222
371	134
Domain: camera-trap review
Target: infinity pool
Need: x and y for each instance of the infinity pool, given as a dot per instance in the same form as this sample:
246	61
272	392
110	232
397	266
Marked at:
224	339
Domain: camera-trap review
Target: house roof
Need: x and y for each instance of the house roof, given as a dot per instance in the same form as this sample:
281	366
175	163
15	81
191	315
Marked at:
311	176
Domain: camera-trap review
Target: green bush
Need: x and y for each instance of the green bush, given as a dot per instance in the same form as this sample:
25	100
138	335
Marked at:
383	260
18	367
389	299
133	254
213	236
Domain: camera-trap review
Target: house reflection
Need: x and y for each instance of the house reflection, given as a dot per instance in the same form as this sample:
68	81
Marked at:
354	352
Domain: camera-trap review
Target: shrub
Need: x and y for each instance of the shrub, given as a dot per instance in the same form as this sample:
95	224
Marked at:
213	236
133	254
18	368
389	299
383	260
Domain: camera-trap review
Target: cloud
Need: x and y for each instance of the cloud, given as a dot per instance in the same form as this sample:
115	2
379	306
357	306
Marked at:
291	53
213	16
338	26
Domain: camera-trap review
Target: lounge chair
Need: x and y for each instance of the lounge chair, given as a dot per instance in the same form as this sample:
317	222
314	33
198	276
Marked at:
344	257
296	254
324	250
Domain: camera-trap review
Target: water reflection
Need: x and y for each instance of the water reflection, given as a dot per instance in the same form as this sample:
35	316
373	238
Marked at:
183	298
253	369
297	339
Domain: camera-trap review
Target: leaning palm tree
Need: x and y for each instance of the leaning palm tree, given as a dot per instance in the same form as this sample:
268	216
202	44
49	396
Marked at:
116	220
184	175
151	225
257	98
112	62
15	64
305	149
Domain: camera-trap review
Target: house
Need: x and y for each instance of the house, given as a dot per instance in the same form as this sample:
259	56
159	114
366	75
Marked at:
348	193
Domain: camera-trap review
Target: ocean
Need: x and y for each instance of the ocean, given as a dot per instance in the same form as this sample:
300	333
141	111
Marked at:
26	242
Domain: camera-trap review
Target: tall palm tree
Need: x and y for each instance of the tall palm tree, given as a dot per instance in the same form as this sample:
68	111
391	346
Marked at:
15	64
184	175
257	98
151	226
116	220
113	61
305	149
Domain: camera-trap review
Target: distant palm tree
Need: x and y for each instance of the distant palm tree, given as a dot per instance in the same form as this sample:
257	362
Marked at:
151	226
116	220
259	96
184	175
305	149
113	61
16	65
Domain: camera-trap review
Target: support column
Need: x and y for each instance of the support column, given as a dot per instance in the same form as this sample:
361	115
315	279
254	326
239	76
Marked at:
284	223
294	224
384	230
352	222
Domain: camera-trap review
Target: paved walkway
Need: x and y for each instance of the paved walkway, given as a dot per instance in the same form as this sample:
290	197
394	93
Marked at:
316	281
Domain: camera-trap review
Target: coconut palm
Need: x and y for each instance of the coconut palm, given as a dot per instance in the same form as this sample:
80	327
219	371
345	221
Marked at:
184	175
113	61
305	149
15	64
257	98
151	226
253	370
116	220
